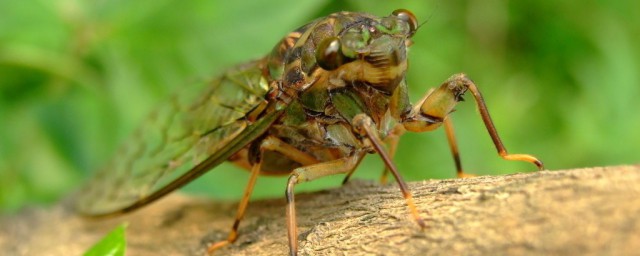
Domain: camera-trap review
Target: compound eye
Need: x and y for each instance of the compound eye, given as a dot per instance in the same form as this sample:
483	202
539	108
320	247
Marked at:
329	54
407	17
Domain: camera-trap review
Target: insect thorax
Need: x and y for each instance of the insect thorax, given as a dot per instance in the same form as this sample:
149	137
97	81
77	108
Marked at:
324	100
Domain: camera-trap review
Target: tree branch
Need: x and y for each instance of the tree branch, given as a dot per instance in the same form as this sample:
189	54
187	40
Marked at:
593	210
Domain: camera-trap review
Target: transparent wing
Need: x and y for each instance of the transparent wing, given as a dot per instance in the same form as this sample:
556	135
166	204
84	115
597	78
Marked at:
177	138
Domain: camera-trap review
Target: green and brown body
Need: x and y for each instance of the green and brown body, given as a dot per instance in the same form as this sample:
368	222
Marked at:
321	104
329	93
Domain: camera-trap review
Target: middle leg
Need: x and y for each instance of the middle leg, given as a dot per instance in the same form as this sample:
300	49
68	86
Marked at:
309	173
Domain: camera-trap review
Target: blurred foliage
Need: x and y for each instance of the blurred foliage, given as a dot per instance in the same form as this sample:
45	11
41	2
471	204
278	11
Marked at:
561	80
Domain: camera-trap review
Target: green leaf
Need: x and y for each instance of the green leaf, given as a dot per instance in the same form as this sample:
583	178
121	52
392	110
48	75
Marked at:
113	244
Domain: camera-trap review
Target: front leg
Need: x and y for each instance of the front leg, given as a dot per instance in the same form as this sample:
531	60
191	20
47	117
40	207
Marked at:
434	108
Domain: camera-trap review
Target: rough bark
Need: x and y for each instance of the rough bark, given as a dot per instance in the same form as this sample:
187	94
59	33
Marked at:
570	212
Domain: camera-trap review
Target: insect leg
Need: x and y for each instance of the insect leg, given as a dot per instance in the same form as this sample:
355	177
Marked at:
275	144
309	173
433	110
484	113
364	125
242	206
269	143
391	141
453	145
392	145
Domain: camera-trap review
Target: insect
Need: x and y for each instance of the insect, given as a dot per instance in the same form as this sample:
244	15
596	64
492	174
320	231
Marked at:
328	94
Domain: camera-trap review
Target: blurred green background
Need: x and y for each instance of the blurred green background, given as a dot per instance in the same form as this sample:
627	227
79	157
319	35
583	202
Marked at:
561	80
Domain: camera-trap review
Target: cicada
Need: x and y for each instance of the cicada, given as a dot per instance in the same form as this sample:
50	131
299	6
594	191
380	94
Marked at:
329	93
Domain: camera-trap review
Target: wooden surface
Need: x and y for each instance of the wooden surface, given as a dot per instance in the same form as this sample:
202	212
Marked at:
594	211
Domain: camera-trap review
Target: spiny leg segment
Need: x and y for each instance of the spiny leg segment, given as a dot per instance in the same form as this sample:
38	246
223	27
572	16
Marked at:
484	113
434	108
